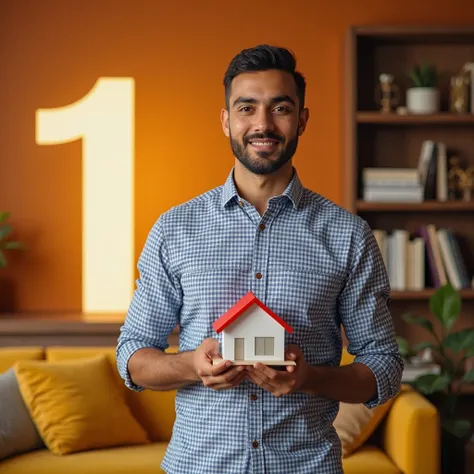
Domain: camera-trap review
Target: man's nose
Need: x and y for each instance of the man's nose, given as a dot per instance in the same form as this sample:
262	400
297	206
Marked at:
263	122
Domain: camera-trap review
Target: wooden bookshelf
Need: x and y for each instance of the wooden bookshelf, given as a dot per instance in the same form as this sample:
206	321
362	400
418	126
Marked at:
376	139
443	118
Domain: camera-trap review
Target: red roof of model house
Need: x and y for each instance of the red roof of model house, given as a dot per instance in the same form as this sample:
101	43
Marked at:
243	304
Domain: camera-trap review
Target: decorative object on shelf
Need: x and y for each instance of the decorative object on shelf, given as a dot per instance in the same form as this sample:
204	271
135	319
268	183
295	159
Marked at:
454	179
451	349
468	71
466	183
402	110
423	96
387	93
5	244
459	94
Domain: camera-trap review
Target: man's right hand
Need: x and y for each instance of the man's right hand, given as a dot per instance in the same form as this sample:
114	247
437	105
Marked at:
216	377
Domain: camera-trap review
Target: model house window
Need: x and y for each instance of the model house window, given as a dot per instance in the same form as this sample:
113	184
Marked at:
239	348
264	346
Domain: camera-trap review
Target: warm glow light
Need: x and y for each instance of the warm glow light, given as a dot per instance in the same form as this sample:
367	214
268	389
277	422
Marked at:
104	120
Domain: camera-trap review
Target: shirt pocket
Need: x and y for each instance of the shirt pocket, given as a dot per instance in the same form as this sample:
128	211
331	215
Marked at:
306	298
208	292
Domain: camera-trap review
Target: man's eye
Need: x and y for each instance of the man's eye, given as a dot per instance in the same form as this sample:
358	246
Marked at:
281	109
245	109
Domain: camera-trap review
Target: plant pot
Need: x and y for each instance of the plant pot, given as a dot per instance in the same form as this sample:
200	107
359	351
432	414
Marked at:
422	100
453	455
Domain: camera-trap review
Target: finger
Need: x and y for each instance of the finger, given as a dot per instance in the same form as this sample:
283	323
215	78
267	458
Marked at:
268	372
211	382
231	384
225	377
210	346
257	379
222	367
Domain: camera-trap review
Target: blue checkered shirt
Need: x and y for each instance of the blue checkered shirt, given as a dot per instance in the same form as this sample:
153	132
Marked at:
321	268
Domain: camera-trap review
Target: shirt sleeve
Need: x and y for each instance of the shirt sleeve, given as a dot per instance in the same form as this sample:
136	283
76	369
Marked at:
368	324
154	310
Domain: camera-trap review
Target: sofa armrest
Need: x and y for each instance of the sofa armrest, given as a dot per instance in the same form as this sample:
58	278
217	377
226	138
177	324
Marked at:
411	433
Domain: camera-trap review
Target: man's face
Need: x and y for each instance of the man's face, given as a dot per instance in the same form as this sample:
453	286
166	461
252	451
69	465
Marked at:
264	120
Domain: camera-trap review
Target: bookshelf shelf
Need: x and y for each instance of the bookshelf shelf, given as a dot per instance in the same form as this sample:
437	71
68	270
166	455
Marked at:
426	294
426	206
373	139
445	118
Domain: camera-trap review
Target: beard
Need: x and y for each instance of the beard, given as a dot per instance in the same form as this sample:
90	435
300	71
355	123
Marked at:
260	164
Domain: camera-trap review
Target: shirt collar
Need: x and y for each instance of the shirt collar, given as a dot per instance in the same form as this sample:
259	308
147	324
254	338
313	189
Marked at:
294	190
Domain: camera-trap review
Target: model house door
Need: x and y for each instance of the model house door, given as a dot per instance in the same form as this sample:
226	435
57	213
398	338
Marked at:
239	348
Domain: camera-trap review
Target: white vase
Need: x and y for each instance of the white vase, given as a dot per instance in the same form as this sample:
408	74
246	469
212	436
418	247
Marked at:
422	100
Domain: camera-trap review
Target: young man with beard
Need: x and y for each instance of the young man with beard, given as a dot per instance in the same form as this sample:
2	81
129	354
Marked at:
313	263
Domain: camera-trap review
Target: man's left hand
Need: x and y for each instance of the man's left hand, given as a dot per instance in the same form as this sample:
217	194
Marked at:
277	382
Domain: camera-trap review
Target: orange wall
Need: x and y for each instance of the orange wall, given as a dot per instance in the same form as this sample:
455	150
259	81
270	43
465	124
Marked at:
52	52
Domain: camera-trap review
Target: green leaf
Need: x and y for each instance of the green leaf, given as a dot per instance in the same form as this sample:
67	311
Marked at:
458	428
431	383
5	230
460	340
12	245
420	321
403	346
3	260
424	345
4	215
469	376
445	304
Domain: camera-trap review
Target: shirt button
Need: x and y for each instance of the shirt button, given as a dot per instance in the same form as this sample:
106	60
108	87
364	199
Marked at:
261	226
253	397
241	203
258	276
255	444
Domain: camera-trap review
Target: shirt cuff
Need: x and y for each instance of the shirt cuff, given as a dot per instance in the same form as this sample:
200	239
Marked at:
124	352
388	373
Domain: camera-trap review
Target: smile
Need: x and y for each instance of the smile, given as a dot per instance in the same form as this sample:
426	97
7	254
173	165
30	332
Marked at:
264	144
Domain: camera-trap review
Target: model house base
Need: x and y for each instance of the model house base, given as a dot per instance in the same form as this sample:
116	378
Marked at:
218	360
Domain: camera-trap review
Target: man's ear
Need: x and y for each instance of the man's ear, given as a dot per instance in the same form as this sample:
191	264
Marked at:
304	117
225	122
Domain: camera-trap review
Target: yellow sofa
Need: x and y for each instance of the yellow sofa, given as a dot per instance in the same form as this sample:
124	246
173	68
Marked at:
408	437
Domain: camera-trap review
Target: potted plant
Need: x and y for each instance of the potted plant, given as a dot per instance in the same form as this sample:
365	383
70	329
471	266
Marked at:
423	96
5	244
450	349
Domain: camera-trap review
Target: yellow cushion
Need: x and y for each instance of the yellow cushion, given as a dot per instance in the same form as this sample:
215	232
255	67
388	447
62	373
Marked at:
143	459
77	405
369	460
355	423
154	410
10	355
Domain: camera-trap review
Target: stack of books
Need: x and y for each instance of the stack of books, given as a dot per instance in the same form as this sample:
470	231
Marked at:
428	181
392	185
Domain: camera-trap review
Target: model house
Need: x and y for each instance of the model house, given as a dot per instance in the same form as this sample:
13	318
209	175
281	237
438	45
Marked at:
252	332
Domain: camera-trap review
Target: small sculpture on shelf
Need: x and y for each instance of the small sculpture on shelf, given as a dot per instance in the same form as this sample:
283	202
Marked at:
459	94
466	183
387	93
454	179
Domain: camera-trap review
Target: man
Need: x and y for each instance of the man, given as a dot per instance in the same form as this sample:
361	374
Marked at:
311	262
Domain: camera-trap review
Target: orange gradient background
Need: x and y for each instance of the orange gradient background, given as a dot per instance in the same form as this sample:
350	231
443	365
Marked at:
53	51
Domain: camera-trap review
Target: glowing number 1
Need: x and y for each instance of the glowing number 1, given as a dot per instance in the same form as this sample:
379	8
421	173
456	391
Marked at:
104	120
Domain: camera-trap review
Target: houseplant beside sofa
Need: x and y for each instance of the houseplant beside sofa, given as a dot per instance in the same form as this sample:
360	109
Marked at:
408	433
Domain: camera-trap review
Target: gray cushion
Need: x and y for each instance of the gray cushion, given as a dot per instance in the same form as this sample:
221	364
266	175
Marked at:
18	434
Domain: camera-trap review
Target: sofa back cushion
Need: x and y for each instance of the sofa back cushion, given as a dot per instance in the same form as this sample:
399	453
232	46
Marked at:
10	355
77	405
155	411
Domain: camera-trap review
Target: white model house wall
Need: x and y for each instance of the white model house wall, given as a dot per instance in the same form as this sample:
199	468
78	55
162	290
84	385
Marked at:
254	322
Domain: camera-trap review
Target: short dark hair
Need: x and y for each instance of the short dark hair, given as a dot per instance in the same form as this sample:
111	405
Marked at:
262	58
